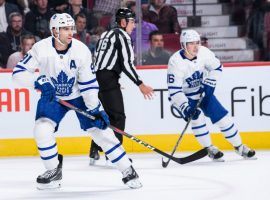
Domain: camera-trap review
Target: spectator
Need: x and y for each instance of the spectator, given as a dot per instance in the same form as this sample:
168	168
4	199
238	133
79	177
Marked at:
5	10
146	29
163	16
5	49
95	37
15	30
204	41
59	6
156	55
27	41
76	7
82	35
106	7
37	20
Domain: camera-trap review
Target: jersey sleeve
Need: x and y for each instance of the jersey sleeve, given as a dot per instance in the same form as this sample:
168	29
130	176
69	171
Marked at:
214	68
24	72
87	81
127	57
175	80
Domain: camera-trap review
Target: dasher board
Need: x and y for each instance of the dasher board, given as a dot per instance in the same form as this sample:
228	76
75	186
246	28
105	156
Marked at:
201	10
208	21
235	55
220	32
177	2
227	43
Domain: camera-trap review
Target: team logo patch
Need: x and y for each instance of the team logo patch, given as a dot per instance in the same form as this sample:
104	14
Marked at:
63	85
194	80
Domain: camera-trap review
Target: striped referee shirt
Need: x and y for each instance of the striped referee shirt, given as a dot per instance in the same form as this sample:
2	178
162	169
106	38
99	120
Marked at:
115	52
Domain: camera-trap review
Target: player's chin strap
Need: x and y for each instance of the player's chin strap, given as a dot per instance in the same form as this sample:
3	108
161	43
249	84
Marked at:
58	39
195	156
165	164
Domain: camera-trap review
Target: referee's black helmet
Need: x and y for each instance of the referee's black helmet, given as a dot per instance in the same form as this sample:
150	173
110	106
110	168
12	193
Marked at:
124	13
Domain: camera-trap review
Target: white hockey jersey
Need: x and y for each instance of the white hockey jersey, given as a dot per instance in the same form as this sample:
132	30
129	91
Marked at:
70	71
185	76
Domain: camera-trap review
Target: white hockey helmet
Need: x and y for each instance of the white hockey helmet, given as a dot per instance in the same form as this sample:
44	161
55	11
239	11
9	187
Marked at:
189	36
61	20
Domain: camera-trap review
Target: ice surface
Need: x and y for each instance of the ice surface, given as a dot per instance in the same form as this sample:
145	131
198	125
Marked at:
233	179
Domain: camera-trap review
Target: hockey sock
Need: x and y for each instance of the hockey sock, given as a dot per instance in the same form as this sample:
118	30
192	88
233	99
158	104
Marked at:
111	146
229	131
43	133
200	131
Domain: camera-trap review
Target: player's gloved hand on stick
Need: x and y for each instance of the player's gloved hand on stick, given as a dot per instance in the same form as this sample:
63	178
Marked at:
47	90
186	111
101	118
208	88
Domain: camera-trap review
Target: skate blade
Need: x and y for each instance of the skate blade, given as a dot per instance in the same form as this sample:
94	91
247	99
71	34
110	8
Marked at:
218	160
252	158
92	161
48	186
134	184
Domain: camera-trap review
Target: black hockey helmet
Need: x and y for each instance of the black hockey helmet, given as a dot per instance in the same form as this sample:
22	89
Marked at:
124	13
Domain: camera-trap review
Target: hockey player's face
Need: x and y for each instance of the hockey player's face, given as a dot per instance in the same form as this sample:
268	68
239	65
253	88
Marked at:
66	34
193	48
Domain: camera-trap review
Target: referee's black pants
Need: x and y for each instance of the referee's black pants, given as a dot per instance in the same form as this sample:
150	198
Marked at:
111	98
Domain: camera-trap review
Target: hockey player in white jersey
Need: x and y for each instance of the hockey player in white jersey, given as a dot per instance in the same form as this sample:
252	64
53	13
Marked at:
65	73
194	71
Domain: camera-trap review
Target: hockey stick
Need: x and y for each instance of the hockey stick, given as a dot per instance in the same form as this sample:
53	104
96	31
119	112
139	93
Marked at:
165	164
195	156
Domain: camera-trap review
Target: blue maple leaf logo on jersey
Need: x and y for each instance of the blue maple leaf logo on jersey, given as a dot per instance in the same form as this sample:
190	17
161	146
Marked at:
63	85
195	79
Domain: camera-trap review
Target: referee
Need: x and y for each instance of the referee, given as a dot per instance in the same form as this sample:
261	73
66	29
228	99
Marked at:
114	55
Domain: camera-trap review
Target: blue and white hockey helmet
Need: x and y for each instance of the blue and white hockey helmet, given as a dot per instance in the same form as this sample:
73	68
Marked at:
189	36
62	20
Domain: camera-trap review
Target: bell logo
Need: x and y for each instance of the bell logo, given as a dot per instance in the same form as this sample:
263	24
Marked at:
12	100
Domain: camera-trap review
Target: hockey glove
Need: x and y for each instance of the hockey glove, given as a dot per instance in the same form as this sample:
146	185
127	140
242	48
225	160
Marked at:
208	88
47	90
101	118
186	111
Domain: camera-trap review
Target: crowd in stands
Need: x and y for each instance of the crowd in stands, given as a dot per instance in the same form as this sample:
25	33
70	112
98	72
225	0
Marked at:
23	22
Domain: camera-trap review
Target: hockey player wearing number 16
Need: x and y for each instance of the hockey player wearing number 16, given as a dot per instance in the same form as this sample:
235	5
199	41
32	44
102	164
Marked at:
65	66
192	71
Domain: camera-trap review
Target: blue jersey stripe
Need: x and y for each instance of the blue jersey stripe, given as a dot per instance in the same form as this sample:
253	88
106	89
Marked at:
20	67
46	148
232	135
119	157
174	87
88	88
227	128
88	82
49	157
219	68
203	134
175	93
15	72
210	79
193	93
197	127
113	148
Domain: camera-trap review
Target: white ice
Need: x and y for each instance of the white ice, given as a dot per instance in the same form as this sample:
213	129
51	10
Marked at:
201	180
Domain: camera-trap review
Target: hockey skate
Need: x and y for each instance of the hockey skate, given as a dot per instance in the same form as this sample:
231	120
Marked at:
131	178
245	152
51	178
94	156
215	154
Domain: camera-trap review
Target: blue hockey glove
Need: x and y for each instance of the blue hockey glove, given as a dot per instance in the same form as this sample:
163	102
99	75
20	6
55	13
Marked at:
47	90
208	88
186	111
102	119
